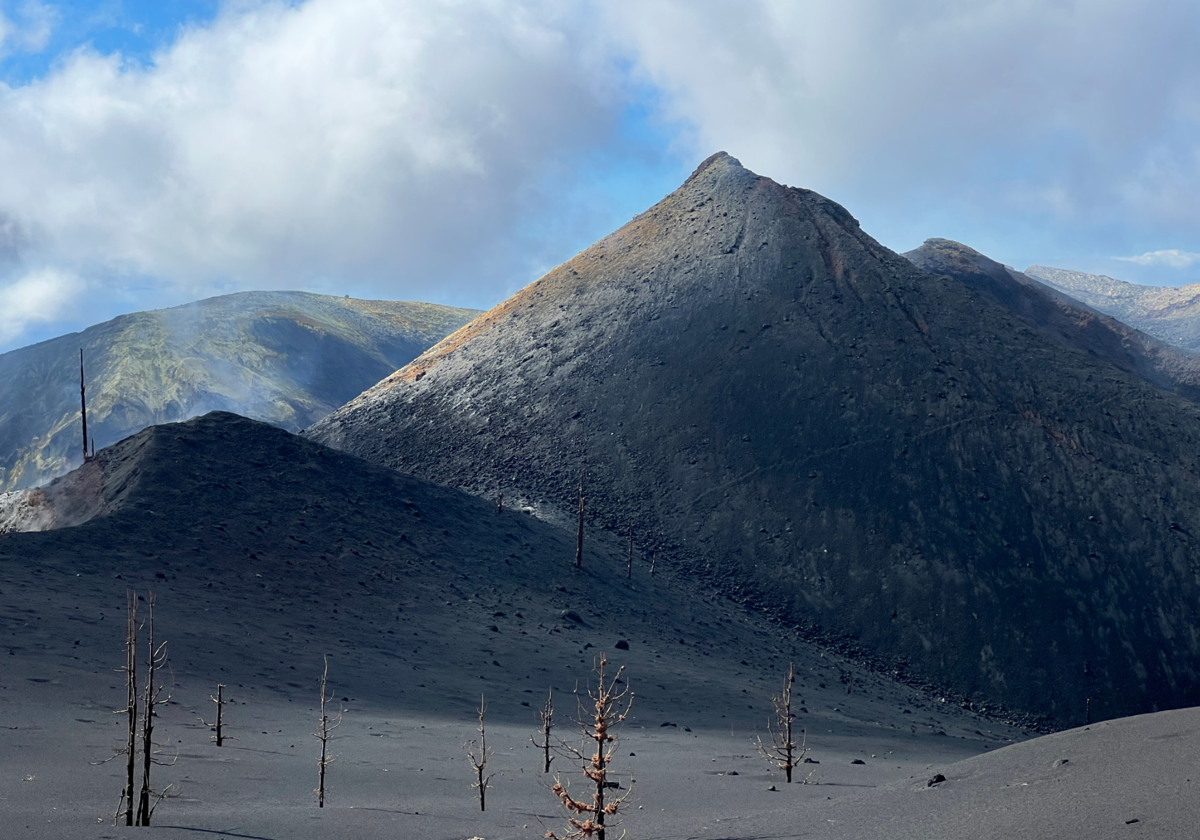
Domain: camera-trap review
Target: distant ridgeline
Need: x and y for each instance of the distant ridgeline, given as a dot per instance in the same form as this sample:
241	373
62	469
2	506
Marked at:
1169	314
288	358
899	457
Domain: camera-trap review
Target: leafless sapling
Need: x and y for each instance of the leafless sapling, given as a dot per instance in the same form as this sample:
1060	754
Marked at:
579	537
610	707
324	735
547	716
156	660
478	754
217	726
783	751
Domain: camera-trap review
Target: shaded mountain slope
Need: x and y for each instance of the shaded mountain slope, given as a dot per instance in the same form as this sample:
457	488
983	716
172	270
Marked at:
783	405
243	519
1063	319
285	357
1168	313
267	552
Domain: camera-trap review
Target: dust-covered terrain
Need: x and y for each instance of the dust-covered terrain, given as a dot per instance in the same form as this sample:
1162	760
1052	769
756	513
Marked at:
267	552
287	358
786	408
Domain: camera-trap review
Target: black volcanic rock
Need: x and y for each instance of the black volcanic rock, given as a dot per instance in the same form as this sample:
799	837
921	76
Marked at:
288	358
784	406
1061	318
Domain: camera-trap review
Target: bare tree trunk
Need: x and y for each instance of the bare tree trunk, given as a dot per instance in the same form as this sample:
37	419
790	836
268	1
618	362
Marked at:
547	717
479	760
610	707
782	751
151	700
131	667
579	538
83	406
324	735
220	701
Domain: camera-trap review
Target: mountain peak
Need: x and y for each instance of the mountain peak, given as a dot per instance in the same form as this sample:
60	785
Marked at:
717	159
776	401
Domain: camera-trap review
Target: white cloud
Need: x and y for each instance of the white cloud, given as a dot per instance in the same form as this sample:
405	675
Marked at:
976	106
1171	258
395	143
413	148
37	22
42	296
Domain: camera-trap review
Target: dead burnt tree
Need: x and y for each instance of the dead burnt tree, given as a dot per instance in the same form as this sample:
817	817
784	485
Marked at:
83	408
579	536
610	707
217	726
783	751
478	754
324	735
131	708
547	717
156	660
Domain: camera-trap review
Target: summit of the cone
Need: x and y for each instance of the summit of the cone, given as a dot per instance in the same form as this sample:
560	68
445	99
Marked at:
717	159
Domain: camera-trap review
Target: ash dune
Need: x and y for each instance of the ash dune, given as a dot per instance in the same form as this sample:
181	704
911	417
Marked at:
267	551
786	408
285	357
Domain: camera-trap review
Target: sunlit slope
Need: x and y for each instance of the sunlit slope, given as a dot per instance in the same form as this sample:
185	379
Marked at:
287	358
1168	313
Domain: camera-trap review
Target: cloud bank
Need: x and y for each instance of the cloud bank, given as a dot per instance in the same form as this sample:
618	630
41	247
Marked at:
450	150
1077	114
389	145
1171	258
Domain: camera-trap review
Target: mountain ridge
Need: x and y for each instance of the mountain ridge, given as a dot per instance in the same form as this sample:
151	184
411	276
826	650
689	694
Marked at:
777	402
1063	319
284	357
1169	313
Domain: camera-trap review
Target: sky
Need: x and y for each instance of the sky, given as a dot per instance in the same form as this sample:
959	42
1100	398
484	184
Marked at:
154	153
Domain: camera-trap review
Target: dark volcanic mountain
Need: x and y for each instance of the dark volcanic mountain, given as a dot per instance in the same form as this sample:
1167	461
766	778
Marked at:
779	403
288	358
1168	313
1064	319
